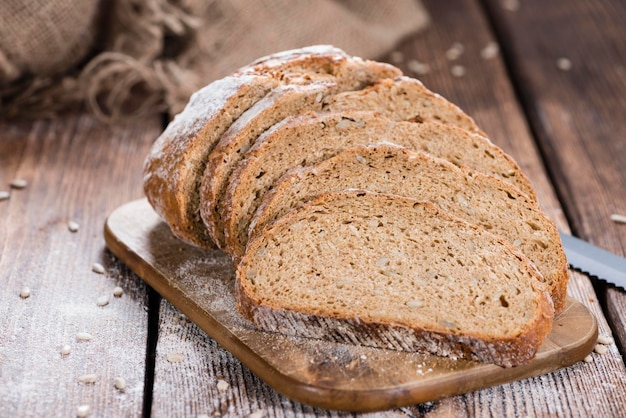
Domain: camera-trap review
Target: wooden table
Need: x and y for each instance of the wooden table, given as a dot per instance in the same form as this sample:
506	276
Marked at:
564	124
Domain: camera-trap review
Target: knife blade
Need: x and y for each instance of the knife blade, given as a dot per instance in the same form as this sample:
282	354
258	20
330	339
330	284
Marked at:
594	261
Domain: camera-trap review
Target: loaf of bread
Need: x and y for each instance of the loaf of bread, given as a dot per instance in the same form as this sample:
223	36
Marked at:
442	249
174	168
474	197
311	138
392	272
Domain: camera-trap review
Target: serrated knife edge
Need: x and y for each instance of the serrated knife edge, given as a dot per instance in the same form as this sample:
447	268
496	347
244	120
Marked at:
594	261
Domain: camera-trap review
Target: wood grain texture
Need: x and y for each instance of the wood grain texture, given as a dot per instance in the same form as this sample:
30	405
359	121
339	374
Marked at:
79	170
577	114
329	375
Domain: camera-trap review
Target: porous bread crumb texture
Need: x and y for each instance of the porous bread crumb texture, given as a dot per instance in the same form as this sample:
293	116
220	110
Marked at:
365	258
309	139
476	198
324	76
403	98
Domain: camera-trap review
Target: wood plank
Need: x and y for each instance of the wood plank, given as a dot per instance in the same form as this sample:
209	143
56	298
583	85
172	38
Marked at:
488	96
77	169
577	114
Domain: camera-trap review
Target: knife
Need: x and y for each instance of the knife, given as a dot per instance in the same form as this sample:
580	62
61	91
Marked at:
594	261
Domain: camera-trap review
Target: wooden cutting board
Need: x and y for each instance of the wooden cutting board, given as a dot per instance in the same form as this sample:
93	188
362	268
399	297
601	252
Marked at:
329	375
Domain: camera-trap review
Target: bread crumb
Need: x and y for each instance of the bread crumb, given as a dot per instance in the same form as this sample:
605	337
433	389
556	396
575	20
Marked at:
458	70
97	268
119	383
588	359
83	411
25	292
65	350
600	349
222	385
88	378
605	340
418	68
564	64
491	50
617	218
73	226
510	5
4	195
175	357
118	292
455	51
18	184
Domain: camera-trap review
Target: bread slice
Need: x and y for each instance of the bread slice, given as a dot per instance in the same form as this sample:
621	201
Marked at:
175	165
474	197
309	139
336	75
403	98
392	272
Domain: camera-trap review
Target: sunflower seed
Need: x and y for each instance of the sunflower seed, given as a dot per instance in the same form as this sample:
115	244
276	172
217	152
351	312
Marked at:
25	292
18	183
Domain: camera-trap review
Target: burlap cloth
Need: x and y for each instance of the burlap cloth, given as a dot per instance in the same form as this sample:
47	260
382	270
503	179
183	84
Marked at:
121	58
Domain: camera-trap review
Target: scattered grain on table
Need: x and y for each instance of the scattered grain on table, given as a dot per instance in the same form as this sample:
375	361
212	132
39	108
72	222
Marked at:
510	5
256	414
175	357
25	292
103	300
564	64
396	57
88	378
458	70
617	218
222	385
600	349
418	68
118	292
455	51
4	195
18	184
605	340
73	226
490	51
66	349
83	411
97	268
588	359
119	383
84	336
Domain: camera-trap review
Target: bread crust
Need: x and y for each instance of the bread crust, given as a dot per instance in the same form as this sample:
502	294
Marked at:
173	168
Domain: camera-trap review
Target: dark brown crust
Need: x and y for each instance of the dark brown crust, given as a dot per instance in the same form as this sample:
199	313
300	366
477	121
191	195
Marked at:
506	352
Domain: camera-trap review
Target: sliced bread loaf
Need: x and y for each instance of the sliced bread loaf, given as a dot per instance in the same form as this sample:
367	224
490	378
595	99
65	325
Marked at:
474	197
325	77
174	167
309	139
176	163
391	272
